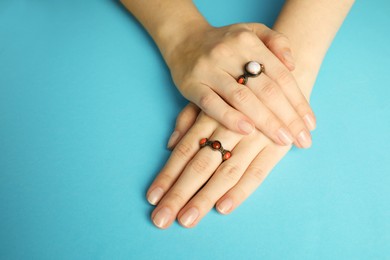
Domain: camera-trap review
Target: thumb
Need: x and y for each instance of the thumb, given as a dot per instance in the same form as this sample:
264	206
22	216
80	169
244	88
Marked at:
184	122
277	43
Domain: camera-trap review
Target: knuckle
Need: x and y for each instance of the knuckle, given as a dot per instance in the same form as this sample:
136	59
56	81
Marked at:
231	172
285	77
302	107
241	95
183	151
176	197
200	165
221	49
258	27
206	101
269	90
271	122
204	199
257	173
244	36
294	123
164	179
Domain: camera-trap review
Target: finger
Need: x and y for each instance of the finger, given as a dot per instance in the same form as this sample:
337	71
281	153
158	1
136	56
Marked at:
274	98
194	176
244	99
278	73
213	105
277	43
180	157
184	121
226	176
254	175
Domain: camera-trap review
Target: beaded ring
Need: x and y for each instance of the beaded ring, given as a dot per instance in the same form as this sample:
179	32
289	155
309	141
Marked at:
215	145
251	69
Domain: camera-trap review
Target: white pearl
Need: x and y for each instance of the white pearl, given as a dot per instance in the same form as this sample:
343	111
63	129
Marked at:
253	67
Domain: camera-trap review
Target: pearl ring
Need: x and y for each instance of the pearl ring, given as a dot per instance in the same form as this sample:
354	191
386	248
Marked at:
251	69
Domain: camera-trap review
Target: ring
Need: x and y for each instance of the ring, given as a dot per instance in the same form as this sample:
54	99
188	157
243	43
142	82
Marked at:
215	145
251	69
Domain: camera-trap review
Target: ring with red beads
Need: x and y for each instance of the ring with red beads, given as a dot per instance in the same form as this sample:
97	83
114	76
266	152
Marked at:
217	146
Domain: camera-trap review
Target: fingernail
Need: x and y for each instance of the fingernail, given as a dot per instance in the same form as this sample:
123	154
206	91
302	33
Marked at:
289	59
189	217
162	217
225	206
245	126
174	136
304	139
155	195
285	136
310	122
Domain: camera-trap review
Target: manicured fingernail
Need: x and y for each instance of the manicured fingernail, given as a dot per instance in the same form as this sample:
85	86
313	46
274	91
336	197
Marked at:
155	195
285	136
172	140
189	217
304	139
225	206
310	122
289	59
162	217
245	127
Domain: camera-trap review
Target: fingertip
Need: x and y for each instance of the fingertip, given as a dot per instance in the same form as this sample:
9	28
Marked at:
189	218
304	139
310	122
225	206
173	139
155	195
162	218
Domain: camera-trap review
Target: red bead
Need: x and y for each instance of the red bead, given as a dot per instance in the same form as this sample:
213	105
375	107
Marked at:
241	80
203	141
227	155
216	145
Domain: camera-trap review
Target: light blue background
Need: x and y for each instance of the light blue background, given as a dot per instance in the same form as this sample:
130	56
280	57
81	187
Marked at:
86	108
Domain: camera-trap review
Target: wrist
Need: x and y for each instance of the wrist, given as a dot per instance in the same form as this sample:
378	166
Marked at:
168	22
169	37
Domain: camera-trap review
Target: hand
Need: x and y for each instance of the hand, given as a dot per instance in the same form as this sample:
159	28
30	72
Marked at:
194	180
205	67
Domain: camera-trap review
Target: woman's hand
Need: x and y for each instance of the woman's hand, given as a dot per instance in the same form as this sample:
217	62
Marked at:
205	67
206	63
194	180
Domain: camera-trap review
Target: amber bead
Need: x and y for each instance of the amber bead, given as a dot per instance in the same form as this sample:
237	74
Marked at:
216	145
226	155
241	80
203	141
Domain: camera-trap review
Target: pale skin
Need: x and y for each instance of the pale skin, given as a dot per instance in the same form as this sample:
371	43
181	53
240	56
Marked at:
206	61
193	180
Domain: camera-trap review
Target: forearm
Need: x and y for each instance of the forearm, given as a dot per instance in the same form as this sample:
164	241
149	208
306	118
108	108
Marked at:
167	21
311	27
